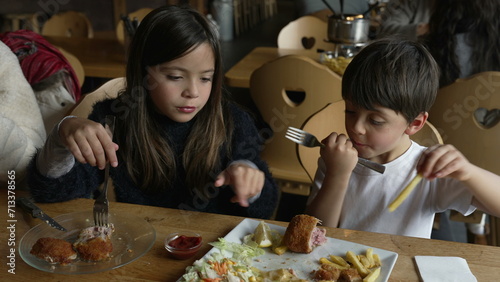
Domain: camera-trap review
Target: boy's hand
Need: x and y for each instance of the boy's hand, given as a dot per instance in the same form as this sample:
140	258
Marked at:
88	141
339	155
444	160
245	181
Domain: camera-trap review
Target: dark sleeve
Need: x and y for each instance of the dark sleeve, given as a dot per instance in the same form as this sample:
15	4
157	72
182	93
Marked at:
80	182
247	145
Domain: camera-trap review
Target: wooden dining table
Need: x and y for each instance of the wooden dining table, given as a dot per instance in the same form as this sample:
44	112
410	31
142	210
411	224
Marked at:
239	74
100	57
157	265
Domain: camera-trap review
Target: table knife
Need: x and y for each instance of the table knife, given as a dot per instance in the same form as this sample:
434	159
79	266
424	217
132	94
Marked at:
35	211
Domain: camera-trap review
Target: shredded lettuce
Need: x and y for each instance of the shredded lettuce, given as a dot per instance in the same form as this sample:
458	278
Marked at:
203	269
240	251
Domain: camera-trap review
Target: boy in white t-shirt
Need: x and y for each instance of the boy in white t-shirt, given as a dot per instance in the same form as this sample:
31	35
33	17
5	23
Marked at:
389	88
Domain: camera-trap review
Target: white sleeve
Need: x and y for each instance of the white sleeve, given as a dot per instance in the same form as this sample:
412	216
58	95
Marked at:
55	160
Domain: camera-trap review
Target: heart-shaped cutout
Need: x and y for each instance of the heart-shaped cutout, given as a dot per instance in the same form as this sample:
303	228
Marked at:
308	42
487	118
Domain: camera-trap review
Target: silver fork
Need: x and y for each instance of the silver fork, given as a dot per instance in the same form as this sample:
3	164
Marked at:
304	138
101	203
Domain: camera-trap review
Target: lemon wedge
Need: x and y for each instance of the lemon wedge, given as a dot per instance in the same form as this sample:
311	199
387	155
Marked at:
262	235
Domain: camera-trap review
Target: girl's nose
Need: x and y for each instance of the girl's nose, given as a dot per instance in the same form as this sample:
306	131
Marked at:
191	90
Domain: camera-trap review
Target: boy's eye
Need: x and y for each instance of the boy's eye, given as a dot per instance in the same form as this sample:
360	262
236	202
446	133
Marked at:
376	122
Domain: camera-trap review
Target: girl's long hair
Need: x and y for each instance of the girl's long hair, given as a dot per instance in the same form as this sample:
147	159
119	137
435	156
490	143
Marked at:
479	20
165	34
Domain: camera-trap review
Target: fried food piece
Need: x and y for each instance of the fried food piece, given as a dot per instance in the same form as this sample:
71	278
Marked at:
95	249
94	243
327	272
302	235
54	250
350	275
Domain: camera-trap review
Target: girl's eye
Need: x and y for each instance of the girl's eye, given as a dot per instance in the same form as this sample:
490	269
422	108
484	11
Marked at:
174	77
206	79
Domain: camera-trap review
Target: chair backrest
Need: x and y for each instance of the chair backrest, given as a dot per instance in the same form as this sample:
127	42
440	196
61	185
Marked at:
455	114
306	32
272	88
332	119
109	89
139	14
68	24
75	64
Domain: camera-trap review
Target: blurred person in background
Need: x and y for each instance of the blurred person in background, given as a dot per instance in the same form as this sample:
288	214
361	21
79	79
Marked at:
406	18
464	37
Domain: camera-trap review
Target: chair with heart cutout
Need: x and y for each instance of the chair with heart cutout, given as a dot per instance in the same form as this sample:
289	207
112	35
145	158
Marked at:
286	92
307	32
467	113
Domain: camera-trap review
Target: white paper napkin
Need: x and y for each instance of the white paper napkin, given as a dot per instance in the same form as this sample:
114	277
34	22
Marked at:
443	269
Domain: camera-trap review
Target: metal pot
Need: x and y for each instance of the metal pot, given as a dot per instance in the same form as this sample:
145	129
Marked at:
352	29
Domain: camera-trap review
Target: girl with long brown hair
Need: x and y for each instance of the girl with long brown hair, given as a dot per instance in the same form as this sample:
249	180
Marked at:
179	142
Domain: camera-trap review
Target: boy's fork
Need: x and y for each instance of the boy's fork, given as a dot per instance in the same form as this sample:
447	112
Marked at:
101	203
304	138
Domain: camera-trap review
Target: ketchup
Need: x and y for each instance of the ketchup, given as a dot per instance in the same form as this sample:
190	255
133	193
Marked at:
184	242
185	246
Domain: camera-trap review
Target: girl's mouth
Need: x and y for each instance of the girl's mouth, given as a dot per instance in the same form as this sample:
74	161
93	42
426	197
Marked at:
186	109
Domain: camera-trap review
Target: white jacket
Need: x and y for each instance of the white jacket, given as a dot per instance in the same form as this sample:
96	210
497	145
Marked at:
22	128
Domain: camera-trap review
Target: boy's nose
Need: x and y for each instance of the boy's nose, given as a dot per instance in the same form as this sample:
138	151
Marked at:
358	127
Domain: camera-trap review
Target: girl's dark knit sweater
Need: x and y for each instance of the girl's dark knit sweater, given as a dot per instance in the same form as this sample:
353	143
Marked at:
83	180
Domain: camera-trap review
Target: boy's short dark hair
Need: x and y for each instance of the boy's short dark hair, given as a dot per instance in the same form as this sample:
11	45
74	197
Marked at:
393	73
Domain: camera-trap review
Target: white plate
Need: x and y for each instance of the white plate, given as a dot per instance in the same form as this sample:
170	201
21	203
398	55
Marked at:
133	237
303	264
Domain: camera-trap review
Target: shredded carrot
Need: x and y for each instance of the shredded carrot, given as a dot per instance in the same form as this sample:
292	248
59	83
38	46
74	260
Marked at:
220	267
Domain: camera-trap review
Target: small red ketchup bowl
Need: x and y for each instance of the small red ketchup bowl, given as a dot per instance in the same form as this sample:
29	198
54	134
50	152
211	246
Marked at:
183	245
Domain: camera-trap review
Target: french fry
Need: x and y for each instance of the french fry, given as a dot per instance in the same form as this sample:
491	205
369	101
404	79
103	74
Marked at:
353	259
376	258
369	256
338	266
404	194
372	276
365	261
339	260
280	249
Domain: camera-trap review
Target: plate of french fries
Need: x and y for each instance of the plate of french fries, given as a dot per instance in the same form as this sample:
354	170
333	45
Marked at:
373	264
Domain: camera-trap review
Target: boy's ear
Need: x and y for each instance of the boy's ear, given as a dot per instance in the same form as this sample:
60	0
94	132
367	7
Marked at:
417	123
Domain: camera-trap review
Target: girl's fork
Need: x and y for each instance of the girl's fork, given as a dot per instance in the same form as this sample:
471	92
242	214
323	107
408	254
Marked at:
304	138
101	203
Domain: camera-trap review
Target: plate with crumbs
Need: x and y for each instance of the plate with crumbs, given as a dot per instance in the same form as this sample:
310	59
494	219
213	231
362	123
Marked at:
133	237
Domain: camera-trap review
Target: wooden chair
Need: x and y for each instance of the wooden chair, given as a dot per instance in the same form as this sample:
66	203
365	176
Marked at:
75	64
332	118
68	24
287	91
139	14
307	32
109	89
455	114
84	107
